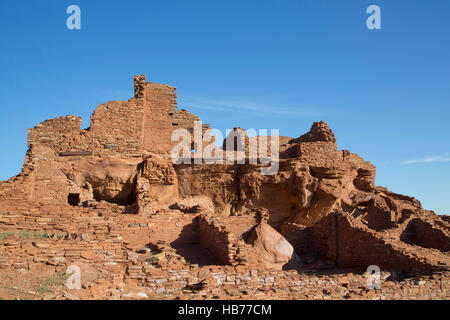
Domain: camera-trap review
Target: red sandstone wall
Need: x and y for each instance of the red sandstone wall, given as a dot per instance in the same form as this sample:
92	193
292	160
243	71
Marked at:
162	118
160	106
324	238
214	237
358	247
424	234
352	245
116	128
120	128
61	134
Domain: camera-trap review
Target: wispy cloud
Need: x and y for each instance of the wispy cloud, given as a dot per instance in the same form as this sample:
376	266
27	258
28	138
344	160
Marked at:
247	106
440	158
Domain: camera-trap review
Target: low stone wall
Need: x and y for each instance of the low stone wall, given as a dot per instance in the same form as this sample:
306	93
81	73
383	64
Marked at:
214	236
351	244
426	234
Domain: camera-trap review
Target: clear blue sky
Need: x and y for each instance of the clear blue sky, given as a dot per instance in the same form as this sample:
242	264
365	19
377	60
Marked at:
254	64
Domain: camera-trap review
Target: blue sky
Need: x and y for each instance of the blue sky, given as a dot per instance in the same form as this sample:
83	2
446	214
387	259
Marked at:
253	64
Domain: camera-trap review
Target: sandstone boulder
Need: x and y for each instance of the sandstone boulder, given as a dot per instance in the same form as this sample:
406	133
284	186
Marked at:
274	251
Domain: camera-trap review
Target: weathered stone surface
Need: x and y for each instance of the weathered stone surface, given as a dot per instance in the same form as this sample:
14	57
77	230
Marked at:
274	251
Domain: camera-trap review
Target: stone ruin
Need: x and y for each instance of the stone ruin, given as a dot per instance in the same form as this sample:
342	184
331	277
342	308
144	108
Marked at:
110	197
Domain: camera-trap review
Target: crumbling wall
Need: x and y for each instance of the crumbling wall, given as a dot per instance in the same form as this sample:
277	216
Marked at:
359	247
299	236
160	106
324	238
60	134
225	238
351	244
161	118
319	131
379	216
11	192
214	236
319	153
117	129
423	233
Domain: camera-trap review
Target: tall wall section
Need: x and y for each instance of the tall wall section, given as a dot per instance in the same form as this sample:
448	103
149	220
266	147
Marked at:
119	136
161	117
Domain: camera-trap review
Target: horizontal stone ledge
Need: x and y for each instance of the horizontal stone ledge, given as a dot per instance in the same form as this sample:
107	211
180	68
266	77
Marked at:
75	153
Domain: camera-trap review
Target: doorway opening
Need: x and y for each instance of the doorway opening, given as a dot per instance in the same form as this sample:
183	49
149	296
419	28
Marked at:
73	199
